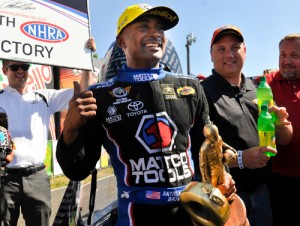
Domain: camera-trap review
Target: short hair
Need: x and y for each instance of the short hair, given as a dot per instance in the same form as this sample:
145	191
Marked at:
289	37
5	63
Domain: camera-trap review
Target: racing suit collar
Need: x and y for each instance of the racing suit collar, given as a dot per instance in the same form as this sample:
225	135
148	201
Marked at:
140	75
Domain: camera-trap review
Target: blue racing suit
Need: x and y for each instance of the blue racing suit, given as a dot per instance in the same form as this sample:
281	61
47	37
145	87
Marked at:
149	121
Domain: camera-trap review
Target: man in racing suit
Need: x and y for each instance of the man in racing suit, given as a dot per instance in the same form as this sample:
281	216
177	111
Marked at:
148	120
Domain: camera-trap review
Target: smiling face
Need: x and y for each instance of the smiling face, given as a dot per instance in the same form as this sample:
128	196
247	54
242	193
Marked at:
16	79
228	56
143	43
289	59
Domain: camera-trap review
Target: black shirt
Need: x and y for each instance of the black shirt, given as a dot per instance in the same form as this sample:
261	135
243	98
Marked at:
234	111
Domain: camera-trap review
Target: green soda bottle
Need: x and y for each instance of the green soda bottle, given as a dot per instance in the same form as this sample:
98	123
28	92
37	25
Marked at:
266	130
264	95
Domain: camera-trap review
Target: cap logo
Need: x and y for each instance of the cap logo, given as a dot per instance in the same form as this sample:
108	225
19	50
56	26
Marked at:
164	14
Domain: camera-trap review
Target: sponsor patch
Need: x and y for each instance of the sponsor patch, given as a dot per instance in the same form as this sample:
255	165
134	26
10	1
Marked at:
113	116
168	91
112	110
152	169
145	77
136	108
121	94
186	91
157	132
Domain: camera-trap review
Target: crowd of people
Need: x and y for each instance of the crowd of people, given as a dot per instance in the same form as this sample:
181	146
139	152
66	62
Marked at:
157	156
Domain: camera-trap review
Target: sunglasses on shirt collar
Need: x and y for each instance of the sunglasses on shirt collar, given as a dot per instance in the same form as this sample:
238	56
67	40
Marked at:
15	67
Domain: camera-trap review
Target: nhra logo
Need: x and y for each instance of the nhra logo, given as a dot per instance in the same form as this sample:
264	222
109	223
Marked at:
44	32
157	133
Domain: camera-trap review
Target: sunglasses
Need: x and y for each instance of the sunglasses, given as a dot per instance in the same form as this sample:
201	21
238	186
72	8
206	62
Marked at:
15	67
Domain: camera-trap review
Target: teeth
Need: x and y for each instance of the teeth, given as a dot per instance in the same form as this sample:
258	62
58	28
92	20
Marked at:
153	44
19	76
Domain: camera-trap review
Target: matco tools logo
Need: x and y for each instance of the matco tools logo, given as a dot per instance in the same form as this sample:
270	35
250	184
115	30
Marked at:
157	133
44	32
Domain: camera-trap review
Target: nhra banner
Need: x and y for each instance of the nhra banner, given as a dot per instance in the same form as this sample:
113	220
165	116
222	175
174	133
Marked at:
49	32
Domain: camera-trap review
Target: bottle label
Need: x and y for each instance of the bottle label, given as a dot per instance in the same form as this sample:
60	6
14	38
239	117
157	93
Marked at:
267	138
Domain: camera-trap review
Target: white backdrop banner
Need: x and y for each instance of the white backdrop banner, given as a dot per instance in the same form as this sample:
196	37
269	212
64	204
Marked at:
49	32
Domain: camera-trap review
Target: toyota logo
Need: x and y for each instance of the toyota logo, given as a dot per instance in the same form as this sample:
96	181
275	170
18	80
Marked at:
135	106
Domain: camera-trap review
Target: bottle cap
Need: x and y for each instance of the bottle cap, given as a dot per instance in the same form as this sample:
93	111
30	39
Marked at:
264	107
262	78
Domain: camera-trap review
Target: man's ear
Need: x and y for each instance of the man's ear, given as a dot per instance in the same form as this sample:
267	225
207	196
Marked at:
4	70
120	42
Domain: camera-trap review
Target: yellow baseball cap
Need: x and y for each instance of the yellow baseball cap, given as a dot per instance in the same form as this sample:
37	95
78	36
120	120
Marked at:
166	15
226	30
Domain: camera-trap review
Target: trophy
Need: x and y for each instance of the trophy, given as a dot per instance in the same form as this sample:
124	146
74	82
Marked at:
203	200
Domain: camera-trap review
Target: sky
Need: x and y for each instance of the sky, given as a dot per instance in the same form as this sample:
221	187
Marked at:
263	24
